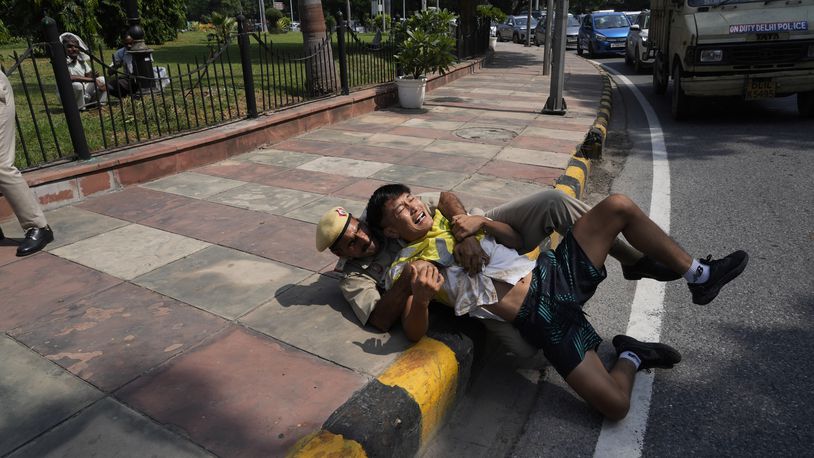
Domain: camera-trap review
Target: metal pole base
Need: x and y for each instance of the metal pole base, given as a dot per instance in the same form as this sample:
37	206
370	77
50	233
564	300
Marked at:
553	110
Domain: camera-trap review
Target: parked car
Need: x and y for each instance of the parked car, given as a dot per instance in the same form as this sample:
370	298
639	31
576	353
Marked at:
632	16
636	45
514	28
603	32
571	32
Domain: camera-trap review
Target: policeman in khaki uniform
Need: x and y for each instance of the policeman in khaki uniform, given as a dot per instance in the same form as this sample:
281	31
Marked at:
365	255
12	184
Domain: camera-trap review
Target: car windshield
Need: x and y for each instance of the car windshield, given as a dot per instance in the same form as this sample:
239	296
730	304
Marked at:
632	17
611	22
521	21
572	21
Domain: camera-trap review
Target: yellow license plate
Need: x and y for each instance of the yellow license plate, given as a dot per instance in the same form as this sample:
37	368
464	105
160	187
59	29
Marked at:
760	88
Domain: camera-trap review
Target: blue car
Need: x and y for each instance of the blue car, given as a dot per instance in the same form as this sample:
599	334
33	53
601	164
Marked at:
603	32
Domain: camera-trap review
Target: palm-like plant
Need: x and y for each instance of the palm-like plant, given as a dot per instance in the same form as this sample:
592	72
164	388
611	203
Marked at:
224	26
426	43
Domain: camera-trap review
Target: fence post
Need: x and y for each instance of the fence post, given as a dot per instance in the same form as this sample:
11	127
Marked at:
246	64
65	88
459	38
343	57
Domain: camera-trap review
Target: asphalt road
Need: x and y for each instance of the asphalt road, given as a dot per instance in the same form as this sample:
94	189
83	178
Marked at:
739	179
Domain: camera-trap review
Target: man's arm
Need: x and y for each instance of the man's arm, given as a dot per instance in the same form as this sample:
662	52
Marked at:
425	281
466	226
467	252
389	308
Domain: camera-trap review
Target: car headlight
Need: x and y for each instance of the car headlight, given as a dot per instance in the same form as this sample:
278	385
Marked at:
601	37
711	55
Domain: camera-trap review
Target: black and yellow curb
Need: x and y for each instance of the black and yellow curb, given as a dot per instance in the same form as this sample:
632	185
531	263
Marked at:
397	413
594	142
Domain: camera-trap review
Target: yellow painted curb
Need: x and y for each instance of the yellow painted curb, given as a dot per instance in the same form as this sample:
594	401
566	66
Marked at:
428	371
566	189
327	445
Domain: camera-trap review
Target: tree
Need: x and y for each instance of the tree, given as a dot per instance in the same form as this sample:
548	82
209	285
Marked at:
312	23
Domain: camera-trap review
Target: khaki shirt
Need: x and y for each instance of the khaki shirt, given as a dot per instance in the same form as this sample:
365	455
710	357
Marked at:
363	279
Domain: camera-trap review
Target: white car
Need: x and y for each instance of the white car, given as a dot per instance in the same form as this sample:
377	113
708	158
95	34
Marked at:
636	44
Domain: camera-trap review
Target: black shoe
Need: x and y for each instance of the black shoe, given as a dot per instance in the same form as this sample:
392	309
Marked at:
2	236
647	267
721	272
35	240
652	354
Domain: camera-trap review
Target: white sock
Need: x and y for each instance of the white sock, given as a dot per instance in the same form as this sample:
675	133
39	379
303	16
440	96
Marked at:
630	356
698	273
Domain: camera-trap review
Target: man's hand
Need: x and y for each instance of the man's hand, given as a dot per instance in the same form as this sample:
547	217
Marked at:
425	281
465	225
469	255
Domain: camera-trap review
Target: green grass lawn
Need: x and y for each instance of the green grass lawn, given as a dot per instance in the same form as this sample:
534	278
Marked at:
198	96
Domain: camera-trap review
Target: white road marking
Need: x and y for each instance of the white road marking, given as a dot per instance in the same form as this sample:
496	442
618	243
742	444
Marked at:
626	438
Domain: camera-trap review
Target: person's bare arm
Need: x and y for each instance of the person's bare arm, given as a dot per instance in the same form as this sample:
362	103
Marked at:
467	252
425	281
389	308
465	226
450	206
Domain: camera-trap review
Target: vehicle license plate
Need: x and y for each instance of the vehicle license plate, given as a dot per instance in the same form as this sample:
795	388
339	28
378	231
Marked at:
760	88
617	45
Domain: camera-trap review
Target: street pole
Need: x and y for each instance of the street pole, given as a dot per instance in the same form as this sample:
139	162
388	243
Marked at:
423	5
549	32
263	25
142	55
556	104
347	6
291	7
528	28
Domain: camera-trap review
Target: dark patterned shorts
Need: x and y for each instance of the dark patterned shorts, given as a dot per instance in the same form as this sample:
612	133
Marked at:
551	317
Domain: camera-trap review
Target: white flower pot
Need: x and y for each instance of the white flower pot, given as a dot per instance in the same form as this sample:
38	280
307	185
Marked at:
492	43
411	91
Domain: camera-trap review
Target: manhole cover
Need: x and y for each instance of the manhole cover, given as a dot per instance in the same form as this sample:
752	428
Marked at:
489	133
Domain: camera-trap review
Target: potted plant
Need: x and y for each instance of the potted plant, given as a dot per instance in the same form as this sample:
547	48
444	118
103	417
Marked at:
425	44
495	16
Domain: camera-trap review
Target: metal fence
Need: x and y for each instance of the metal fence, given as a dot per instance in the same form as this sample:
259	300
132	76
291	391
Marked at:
234	80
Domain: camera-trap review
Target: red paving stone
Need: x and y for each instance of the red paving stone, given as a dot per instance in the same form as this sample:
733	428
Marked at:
545	144
282	239
377	153
306	180
135	204
244	395
41	283
361	190
514	171
206	221
550	124
312	147
243	171
448	162
8	252
110	338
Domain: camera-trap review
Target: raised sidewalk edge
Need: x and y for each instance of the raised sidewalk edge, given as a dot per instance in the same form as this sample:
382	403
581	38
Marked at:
397	414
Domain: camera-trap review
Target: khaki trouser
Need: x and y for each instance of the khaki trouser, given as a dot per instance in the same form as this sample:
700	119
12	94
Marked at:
12	183
535	217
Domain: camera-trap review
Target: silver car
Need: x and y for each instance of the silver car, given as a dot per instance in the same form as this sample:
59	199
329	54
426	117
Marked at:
514	29
636	44
571	31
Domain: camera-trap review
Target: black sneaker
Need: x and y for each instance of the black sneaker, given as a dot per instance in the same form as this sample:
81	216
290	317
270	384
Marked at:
721	272
2	236
652	354
647	267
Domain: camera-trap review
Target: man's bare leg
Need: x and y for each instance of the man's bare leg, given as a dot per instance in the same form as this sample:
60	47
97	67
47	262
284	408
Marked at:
607	392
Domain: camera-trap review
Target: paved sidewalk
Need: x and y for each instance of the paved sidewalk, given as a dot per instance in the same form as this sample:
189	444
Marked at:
192	315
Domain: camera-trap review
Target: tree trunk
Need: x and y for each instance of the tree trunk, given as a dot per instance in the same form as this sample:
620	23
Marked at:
319	68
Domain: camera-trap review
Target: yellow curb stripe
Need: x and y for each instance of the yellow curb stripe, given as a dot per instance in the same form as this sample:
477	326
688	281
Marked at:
428	371
566	189
327	445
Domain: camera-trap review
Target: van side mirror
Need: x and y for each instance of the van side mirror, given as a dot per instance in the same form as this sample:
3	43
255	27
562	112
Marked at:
635	27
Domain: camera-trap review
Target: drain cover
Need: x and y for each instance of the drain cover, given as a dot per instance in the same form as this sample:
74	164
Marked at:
490	133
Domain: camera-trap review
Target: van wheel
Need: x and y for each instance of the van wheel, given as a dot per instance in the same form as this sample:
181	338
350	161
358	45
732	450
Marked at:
805	104
591	52
638	67
516	38
681	102
628	60
579	49
659	76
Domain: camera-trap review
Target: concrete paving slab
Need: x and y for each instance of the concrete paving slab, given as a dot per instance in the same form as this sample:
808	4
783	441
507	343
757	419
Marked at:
195	185
258	397
222	280
337	136
207	221
269	199
130	251
376	154
343	166
555	133
489	90
448	162
8	251
284	240
277	158
110	429
38	284
318	148
134	204
314	317
361	190
499	188
72	224
433	124
111	337
506	116
240	170
35	394
545	176
463	149
379	117
421	176
307	180
534	157
313	211
398	141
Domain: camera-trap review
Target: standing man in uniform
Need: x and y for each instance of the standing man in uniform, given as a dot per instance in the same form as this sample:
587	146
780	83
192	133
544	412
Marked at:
13	185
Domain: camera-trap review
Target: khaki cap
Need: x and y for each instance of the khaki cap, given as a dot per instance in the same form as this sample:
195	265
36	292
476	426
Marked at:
331	226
